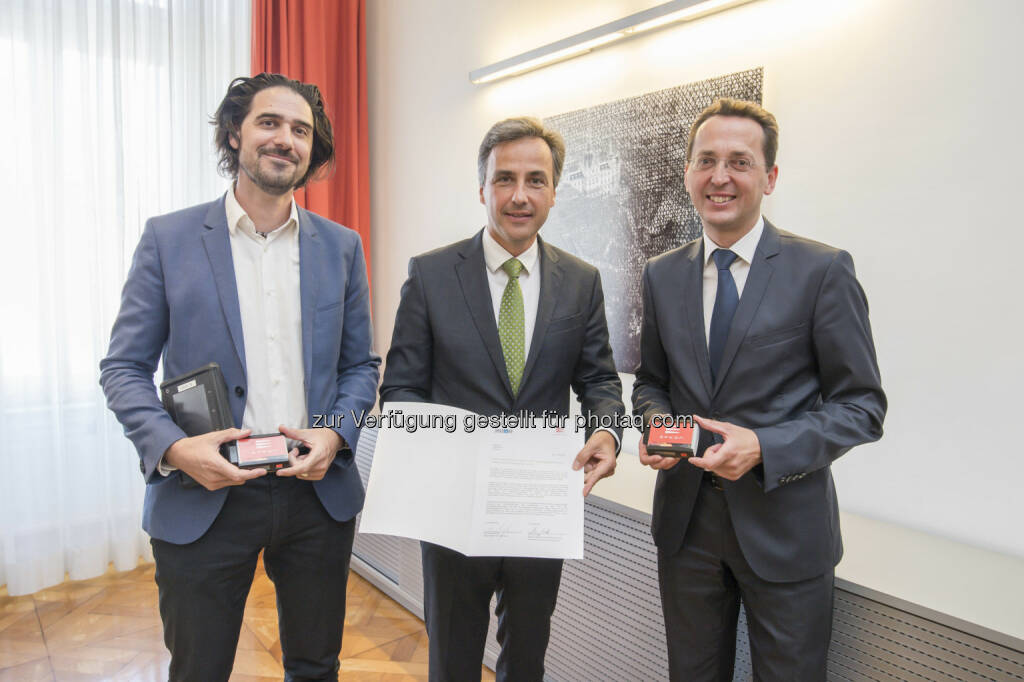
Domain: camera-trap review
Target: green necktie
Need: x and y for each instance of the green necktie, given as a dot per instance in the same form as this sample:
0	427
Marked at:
511	324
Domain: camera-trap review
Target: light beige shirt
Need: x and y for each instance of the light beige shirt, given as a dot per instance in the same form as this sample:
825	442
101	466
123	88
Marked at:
740	268
267	279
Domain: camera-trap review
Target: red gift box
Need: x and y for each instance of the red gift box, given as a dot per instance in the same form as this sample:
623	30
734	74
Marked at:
672	437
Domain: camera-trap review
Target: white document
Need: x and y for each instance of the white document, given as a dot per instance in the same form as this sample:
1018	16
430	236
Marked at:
438	476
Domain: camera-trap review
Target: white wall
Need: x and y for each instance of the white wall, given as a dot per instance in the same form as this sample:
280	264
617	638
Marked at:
901	142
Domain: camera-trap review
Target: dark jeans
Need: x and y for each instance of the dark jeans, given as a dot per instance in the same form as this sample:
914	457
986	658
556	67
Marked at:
203	585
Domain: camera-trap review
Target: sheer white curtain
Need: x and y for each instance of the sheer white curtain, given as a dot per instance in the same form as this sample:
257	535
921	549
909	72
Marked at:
105	123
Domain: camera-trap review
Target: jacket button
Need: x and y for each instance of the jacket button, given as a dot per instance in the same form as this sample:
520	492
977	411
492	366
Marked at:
239	391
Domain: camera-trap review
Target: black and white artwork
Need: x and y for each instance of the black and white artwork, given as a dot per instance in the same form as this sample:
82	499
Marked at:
621	198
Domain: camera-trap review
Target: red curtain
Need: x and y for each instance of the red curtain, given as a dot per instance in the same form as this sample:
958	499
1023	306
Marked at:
324	42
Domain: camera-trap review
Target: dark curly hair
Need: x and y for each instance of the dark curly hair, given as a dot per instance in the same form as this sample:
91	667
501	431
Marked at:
235	107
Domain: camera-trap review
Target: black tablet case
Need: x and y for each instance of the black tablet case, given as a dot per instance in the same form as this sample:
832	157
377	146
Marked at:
198	402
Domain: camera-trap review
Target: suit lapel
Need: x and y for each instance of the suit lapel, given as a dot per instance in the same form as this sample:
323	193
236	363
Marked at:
216	242
758	278
550	285
472	274
691	279
310	264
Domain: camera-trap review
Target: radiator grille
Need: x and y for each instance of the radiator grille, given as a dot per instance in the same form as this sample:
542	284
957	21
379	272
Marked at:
385	553
608	623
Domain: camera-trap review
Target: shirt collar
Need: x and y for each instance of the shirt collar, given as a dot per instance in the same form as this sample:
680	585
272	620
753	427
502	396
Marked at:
744	248
236	214
495	254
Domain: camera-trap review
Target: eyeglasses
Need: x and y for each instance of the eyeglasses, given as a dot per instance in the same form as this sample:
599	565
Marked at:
737	164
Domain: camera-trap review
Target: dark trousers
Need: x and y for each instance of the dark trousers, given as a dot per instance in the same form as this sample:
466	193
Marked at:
789	624
456	609
203	585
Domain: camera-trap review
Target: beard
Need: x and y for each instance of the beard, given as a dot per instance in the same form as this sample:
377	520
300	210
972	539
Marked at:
273	181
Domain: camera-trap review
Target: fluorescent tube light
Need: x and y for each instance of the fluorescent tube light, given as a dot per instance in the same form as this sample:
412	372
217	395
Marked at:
656	17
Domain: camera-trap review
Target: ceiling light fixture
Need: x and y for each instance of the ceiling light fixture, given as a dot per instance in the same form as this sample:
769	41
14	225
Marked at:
664	14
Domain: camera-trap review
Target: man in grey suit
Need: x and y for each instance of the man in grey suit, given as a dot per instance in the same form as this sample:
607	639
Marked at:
765	336
500	323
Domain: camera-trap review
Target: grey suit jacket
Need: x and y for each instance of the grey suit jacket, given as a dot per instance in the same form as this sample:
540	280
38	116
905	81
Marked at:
445	348
798	368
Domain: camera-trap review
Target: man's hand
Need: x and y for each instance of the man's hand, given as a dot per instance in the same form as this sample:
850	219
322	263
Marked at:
200	458
656	462
323	445
597	459
739	453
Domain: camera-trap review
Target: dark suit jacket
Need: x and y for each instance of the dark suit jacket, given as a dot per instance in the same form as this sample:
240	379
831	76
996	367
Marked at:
798	368
180	300
445	348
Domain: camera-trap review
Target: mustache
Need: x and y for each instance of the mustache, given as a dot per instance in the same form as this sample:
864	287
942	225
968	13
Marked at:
265	151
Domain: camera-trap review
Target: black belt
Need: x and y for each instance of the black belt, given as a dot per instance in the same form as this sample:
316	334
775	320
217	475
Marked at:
712	480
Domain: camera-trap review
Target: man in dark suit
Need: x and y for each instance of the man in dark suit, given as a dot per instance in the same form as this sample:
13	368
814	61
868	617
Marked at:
499	323
278	297
765	335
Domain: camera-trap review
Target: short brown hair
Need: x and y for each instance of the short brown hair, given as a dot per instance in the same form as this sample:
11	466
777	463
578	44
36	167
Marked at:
727	106
512	129
235	107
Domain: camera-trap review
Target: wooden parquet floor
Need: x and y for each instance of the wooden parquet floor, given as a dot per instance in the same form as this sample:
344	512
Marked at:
108	628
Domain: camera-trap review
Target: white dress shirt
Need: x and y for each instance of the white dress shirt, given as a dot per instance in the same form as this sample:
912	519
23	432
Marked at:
740	268
495	256
267	279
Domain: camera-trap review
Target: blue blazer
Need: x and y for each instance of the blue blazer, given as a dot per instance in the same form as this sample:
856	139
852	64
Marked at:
180	302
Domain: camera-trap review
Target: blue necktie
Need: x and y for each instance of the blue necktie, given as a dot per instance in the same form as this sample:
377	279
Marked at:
726	300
